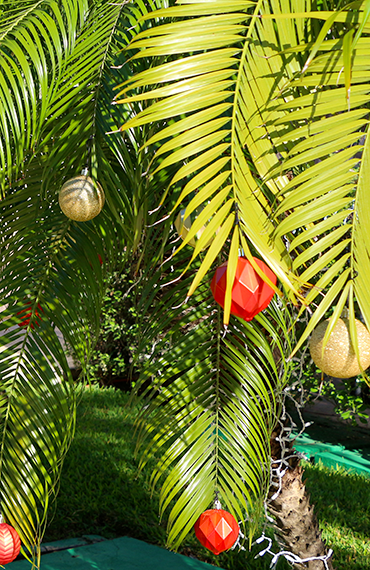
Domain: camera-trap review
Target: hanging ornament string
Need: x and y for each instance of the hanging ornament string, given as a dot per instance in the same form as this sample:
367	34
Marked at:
89	144
288	430
289	556
279	467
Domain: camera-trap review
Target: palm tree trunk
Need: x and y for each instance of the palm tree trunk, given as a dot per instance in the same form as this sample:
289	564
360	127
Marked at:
296	523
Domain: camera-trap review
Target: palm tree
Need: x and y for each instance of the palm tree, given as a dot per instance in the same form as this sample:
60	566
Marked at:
244	120
264	109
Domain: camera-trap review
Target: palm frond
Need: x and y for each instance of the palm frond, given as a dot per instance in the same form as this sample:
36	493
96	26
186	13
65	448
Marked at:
300	136
321	210
34	44
51	279
212	402
216	98
55	59
210	104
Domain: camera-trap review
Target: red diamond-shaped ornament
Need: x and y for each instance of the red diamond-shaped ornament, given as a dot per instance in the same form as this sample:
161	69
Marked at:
217	530
250	293
26	313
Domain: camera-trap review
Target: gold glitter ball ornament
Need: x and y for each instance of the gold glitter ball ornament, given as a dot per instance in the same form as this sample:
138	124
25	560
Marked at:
339	358
81	199
183	227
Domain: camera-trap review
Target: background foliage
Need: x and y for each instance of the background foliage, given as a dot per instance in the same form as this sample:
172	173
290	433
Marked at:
112	359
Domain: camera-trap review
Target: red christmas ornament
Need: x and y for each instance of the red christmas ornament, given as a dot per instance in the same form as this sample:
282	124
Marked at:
250	293
10	543
26	313
217	530
100	261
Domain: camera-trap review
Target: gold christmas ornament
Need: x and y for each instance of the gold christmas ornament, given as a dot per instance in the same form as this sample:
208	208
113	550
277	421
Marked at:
183	227
339	358
81	199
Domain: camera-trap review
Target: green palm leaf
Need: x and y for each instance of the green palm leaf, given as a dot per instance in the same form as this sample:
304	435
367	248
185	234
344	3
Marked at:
52	72
48	261
34	42
51	275
323	206
216	95
212	402
292	126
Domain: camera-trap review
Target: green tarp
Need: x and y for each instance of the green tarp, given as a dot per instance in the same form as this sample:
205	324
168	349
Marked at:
333	455
118	554
334	443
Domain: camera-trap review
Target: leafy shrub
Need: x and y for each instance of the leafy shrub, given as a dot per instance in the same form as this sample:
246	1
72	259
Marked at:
112	361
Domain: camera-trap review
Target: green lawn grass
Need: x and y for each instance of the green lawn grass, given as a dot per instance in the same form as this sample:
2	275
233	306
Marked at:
342	504
101	492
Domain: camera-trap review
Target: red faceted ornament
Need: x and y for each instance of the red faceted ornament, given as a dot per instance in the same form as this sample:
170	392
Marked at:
250	293
217	530
10	543
26	313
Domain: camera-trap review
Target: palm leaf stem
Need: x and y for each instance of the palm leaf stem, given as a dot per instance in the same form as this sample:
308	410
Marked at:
99	82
